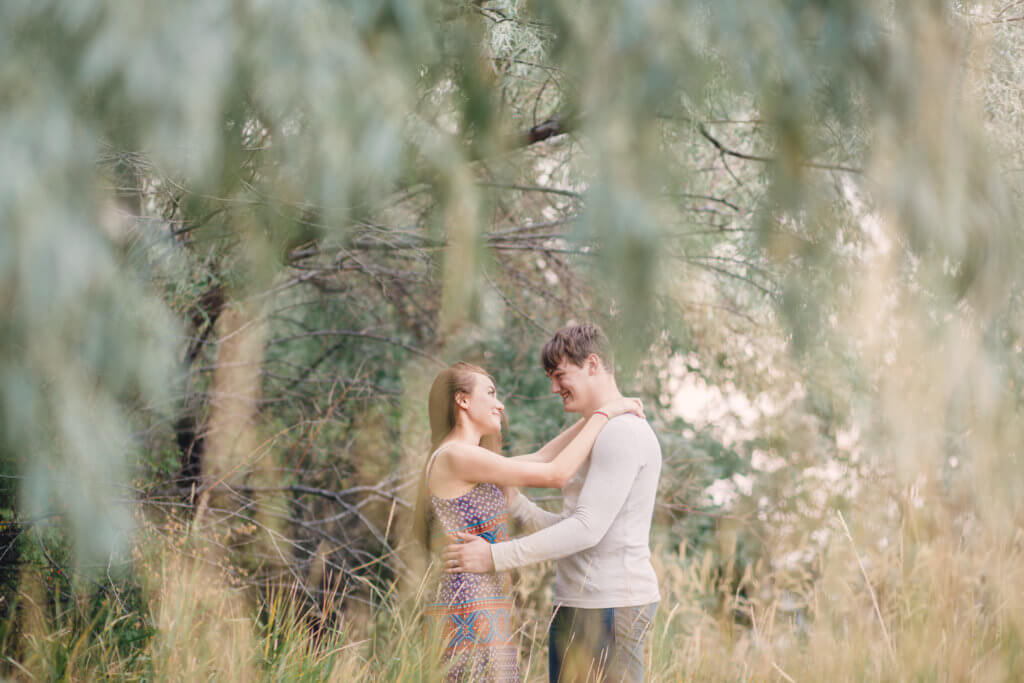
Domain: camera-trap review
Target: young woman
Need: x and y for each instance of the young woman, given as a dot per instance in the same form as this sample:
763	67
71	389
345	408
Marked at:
466	487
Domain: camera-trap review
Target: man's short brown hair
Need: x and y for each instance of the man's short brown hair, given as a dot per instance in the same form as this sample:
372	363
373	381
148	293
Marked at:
574	343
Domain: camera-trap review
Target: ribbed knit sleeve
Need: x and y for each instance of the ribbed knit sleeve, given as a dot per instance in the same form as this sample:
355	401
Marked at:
614	464
531	515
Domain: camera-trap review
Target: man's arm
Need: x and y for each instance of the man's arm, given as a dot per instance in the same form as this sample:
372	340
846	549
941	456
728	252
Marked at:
473	554
614	465
531	515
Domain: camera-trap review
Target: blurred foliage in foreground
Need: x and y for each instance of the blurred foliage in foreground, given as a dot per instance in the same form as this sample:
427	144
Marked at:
239	238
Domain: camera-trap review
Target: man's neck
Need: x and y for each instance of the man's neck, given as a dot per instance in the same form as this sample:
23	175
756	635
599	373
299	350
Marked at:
601	398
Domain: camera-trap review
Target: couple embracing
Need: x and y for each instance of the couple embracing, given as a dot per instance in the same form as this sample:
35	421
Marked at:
607	464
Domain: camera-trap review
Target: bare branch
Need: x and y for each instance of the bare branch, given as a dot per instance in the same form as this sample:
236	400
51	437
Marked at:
753	157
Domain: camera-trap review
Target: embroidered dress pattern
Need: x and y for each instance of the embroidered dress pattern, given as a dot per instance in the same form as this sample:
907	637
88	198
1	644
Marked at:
474	611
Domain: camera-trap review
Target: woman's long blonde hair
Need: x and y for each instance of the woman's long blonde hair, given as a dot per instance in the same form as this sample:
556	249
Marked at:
458	378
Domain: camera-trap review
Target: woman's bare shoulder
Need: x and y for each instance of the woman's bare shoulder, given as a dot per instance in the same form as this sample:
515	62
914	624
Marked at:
456	451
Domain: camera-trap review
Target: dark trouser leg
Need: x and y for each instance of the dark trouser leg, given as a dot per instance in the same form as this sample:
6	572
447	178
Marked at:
560	624
632	626
580	643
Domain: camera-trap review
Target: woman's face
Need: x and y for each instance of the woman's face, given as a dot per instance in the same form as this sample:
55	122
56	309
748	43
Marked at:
482	405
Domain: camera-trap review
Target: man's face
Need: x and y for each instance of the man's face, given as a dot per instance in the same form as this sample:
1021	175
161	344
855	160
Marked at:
573	383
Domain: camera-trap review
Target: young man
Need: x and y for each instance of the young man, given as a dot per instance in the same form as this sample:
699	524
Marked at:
606	591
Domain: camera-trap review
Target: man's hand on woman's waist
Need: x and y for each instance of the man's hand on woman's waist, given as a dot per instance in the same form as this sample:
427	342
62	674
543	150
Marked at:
471	554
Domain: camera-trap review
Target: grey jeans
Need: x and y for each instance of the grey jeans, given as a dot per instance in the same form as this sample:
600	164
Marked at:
604	644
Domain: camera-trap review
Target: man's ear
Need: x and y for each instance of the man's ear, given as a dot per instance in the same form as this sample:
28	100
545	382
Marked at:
593	363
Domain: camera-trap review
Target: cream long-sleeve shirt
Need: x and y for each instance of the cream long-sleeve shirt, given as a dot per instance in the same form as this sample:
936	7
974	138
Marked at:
601	539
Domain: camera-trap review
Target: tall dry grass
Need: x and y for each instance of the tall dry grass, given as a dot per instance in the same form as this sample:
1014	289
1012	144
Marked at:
941	603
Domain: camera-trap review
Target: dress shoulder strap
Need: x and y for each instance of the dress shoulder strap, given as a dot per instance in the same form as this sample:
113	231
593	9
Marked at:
430	462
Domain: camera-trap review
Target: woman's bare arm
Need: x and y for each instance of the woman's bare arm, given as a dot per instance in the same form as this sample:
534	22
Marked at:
475	464
545	453
553	447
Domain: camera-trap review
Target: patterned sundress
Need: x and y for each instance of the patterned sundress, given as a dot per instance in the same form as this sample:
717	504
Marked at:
474	611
